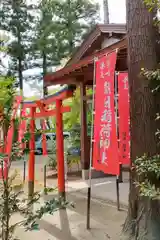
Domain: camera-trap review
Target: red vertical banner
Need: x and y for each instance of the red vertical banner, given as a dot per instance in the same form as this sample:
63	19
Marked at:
124	118
105	147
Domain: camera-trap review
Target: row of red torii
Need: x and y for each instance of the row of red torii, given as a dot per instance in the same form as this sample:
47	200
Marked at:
29	111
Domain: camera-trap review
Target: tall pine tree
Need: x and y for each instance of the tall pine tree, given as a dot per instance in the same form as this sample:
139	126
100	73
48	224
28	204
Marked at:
60	29
18	22
75	18
47	40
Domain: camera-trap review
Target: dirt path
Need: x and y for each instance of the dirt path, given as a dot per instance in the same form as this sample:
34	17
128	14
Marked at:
106	221
70	224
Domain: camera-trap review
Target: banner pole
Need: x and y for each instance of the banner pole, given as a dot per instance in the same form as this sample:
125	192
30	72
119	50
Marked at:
45	178
91	149
116	105
117	191
24	171
120	178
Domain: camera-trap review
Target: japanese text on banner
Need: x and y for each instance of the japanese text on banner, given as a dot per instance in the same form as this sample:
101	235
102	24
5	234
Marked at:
105	148
124	119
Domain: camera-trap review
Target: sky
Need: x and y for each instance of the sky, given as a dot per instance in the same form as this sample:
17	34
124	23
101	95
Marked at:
117	10
117	14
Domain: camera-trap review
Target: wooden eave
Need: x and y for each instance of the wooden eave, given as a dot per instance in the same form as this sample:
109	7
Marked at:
100	30
83	69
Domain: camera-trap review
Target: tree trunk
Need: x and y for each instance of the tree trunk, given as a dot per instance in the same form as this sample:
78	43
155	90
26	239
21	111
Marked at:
70	29
143	218
20	75
20	67
106	11
45	90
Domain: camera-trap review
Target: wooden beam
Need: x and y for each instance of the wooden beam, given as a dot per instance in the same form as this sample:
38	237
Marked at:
49	100
49	113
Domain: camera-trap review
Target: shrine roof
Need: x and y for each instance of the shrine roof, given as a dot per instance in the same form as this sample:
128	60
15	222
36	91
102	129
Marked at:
96	36
73	73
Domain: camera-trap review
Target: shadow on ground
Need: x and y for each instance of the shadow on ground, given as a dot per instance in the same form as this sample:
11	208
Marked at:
64	233
70	224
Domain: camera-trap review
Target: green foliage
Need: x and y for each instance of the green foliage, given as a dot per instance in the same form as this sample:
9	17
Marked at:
6	99
12	202
154	78
16	129
52	161
53	158
59	29
152	4
72	119
70	161
30	222
75	136
46	41
7	92
147	169
45	34
75	19
18	22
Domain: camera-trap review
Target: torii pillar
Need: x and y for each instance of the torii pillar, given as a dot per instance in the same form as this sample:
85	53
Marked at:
60	149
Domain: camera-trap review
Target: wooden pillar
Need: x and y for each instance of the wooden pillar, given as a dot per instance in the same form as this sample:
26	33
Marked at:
60	149
84	138
31	165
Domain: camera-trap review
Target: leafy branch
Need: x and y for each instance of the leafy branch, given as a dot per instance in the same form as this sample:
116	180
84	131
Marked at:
147	169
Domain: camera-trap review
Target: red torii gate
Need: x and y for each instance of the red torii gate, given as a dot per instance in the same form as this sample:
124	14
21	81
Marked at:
44	112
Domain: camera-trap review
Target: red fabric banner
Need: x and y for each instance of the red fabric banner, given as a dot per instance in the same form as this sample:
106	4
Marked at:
124	118
105	146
